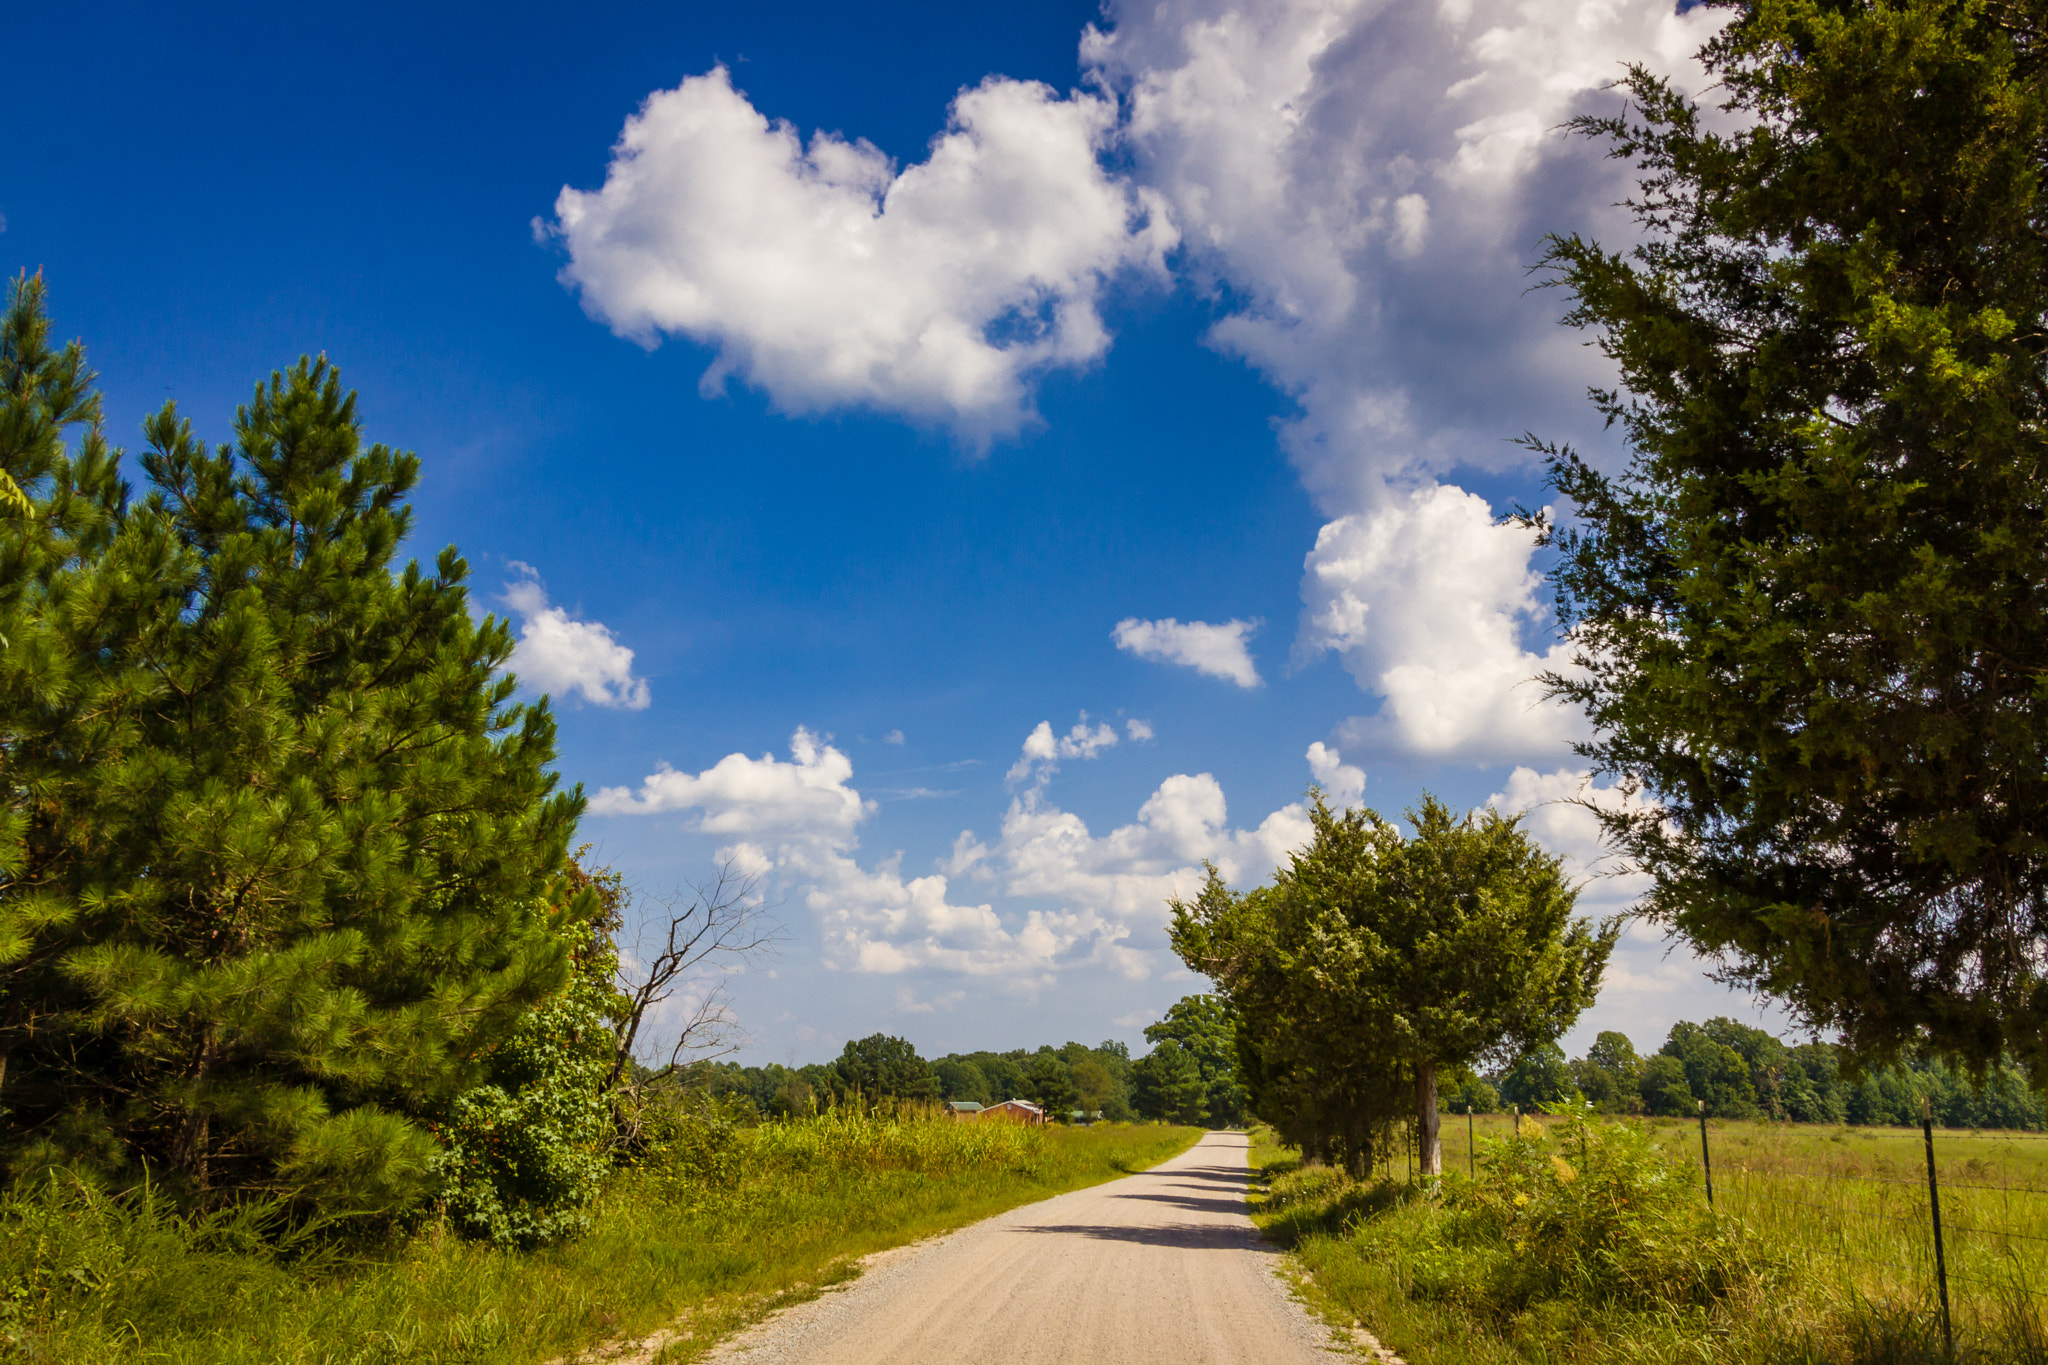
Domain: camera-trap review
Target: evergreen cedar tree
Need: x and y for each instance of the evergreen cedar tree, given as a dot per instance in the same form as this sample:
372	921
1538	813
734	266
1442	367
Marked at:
278	854
1809	615
1373	962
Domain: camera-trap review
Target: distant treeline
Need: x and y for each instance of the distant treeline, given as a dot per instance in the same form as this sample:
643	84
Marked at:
1189	1076
1743	1072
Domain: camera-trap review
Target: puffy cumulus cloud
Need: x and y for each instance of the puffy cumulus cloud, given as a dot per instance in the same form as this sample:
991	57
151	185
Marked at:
831	279
878	921
807	797
1052	895
1131	872
797	820
1140	731
1217	650
559	654
1342	784
1043	749
1560	808
1367	186
1370	183
1426	600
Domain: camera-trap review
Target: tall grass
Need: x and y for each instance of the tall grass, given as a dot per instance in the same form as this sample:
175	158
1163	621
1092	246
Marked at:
1818	1249
717	1224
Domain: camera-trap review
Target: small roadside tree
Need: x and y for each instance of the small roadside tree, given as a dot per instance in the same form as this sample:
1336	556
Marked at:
1168	1084
1403	956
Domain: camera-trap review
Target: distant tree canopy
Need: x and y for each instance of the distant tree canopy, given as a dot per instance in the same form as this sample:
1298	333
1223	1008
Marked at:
1808	617
280	860
1610	1074
1205	1029
1167	1084
1741	1072
883	1067
1373	962
1539	1077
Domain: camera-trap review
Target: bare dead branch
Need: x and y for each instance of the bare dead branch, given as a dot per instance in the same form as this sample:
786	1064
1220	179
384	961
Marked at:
717	930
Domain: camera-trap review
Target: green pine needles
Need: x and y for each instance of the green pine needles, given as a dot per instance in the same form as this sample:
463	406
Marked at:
280	859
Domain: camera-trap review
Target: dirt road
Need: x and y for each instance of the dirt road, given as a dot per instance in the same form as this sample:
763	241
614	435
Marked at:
1155	1269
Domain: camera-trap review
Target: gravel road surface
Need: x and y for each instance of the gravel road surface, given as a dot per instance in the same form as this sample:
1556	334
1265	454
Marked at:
1162	1268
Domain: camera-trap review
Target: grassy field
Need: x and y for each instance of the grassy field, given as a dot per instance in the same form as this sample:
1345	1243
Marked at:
699	1246
1820	1240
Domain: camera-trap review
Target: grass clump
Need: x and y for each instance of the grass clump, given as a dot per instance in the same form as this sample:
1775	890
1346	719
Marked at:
716	1223
1587	1240
1590	1213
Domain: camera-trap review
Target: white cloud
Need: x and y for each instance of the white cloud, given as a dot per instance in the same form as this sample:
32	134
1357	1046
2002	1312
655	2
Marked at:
1060	897
1555	809
798	821
893	737
1132	871
559	654
1217	651
755	798
1367	186
1426	601
1371	182
1140	731
1043	750
831	279
1342	784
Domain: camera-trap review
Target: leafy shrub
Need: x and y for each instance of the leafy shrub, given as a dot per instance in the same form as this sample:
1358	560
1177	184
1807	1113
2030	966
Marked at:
525	1153
691	1137
1592	1214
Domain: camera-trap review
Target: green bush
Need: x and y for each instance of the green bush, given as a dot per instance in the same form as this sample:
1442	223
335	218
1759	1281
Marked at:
1589	1213
525	1153
690	1139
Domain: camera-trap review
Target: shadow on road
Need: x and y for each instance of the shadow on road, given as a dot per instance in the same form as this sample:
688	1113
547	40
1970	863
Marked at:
1199	1203
1222	1175
1182	1236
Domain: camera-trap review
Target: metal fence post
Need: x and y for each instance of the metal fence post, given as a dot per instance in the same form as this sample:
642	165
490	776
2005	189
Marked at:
1948	1333
1706	1159
1471	1145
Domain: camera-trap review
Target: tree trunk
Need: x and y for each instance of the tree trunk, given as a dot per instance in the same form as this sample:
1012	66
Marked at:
1429	1139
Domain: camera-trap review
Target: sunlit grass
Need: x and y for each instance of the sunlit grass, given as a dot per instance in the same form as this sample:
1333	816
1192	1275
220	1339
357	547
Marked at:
1839	1216
91	1281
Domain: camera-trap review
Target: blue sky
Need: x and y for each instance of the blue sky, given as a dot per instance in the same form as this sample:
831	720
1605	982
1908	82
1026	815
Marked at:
1107	412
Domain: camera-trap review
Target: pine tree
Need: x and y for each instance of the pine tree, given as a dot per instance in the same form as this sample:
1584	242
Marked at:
279	848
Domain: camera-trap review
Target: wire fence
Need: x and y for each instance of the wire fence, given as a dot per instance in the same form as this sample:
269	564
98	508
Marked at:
1957	1221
